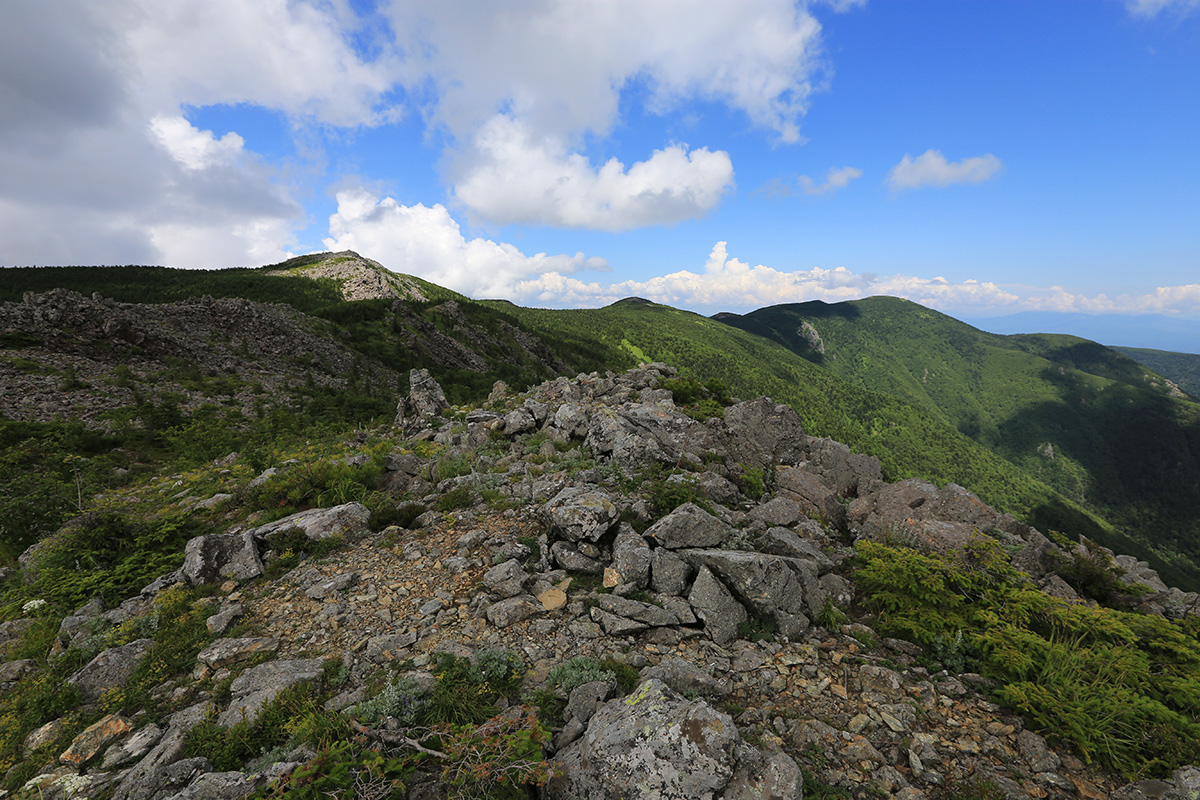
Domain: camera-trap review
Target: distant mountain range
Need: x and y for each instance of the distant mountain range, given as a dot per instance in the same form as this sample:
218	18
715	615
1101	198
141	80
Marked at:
1151	331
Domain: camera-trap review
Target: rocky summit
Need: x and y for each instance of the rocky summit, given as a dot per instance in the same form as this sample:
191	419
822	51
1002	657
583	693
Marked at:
583	592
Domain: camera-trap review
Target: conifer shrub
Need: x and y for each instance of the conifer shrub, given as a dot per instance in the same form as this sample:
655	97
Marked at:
1121	688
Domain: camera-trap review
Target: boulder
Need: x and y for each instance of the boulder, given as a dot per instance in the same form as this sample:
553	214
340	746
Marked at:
762	433
219	786
513	610
631	558
146	778
425	401
784	590
686	678
689	525
349	521
216	557
713	603
259	685
507	579
110	669
581	513
656	745
669	574
94	738
224	652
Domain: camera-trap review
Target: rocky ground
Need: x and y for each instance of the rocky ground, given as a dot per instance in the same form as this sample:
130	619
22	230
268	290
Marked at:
732	615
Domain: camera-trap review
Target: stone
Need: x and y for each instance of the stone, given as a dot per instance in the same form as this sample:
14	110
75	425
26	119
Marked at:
780	541
43	735
389	647
14	670
669	574
259	685
615	625
218	786
1034	750
350	521
513	610
219	623
555	597
214	557
143	780
507	579
338	583
631	559
655	744
94	738
778	511
224	652
110	669
774	587
567	556
581	514
686	678
763	433
586	698
425	401
689	526
132	748
713	603
646	613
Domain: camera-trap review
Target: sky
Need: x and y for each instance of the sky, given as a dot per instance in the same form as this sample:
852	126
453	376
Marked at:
981	157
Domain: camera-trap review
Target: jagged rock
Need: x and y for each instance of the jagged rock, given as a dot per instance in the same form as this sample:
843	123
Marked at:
616	625
631	558
349	521
568	557
710	485
214	501
94	738
774	587
847	474
14	670
259	685
669	574
838	589
11	630
1034	750
654	744
218	786
581	513
713	603
763	433
513	610
689	525
585	699
219	623
70	785
555	597
778	511
216	557
110	669
425	401
507	579
134	747
572	420
224	652
686	678
389	647
78	626
145	779
780	541
645	613
518	421
43	735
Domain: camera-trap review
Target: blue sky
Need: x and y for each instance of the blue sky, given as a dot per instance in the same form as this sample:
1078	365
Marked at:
979	157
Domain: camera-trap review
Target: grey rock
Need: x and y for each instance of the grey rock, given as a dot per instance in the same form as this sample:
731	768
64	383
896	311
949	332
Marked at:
257	686
568	557
763	433
669	574
425	401
143	780
1040	757
656	745
847	474
389	647
686	678
224	652
216	557
585	699
519	420
780	541
716	606
14	670
218	786
219	623
779	511
350	520
133	748
581	513
615	625
631	558
110	669
338	583
507	579
689	526
647	613
774	587
572	420
513	610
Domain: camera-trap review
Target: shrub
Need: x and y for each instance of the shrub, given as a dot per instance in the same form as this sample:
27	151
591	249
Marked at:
574	673
401	699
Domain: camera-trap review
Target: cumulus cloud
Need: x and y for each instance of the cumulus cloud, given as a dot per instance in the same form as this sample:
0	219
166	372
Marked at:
836	178
554	71
932	169
515	179
1151	8
429	243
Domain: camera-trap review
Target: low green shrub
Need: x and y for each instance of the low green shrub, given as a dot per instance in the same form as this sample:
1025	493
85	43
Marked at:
460	497
1121	688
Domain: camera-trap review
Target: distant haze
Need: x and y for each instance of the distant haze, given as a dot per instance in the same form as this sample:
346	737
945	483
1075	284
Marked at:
1146	330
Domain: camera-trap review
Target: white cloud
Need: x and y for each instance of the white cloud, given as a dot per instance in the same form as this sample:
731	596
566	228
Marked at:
932	169
516	180
555	70
836	178
427	242
195	149
1151	8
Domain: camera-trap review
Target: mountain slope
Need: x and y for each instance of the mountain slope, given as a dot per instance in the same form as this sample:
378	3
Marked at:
1087	420
1182	369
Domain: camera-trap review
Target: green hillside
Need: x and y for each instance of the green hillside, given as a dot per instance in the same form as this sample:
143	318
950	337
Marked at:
910	441
1183	369
1097	426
